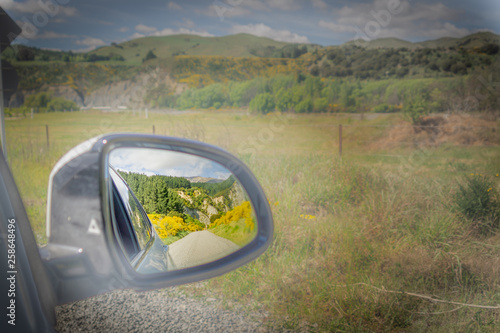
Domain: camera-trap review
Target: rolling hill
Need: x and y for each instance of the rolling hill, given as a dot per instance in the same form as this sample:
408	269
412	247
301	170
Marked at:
478	39
241	45
388	43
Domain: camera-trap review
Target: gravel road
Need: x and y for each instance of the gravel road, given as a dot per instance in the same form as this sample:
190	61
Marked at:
198	248
165	310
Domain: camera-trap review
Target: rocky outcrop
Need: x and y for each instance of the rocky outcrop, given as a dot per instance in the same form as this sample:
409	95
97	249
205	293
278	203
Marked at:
124	93
127	93
211	210
185	196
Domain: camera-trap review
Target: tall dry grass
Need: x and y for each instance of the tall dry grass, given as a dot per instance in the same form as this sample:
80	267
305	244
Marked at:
379	217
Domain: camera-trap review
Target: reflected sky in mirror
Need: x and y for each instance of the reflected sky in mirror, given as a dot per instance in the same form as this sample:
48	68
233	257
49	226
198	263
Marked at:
166	163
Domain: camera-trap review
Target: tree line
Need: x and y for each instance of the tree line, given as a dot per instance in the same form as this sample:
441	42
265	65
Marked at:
305	93
45	101
157	194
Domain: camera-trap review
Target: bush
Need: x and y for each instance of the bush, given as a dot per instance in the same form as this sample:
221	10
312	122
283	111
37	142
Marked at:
39	100
384	108
304	106
320	104
283	100
61	104
263	103
477	199
415	109
45	100
150	55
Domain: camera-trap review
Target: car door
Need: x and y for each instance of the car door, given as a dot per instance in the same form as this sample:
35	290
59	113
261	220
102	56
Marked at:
136	234
28	298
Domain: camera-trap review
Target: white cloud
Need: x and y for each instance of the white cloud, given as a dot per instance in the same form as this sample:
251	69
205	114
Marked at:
53	35
164	162
220	11
58	20
255	5
266	5
90	41
174	6
446	29
284	4
263	30
320	4
396	18
136	35
145	29
182	31
237	8
34	6
187	23
335	27
123	29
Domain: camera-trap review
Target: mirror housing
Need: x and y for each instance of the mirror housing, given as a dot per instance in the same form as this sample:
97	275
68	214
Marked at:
82	253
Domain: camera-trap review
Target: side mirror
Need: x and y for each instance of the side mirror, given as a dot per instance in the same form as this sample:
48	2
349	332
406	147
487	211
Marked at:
146	212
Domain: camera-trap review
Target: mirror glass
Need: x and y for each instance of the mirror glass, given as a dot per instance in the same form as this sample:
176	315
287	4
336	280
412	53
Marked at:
173	210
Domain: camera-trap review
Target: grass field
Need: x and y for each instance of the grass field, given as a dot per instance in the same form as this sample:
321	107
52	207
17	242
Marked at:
353	235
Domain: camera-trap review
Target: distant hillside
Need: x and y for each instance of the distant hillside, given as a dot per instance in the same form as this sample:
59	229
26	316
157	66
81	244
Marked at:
387	43
116	75
241	45
199	179
476	40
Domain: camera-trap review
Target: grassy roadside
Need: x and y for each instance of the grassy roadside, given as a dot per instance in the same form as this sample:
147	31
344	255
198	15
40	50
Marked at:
383	217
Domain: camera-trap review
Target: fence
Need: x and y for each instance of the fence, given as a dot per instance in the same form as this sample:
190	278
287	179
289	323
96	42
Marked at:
346	139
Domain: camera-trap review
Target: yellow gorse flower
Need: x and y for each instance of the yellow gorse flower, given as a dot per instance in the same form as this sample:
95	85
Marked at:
243	211
166	226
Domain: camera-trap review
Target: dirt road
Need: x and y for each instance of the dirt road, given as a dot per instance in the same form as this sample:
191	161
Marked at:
198	248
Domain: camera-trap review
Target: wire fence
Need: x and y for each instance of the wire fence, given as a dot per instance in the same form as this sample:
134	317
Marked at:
350	139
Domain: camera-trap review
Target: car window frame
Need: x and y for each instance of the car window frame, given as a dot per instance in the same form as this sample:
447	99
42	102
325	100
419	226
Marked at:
138	256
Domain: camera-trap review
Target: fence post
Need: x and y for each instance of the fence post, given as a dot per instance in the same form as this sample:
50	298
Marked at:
153	129
47	134
340	140
31	113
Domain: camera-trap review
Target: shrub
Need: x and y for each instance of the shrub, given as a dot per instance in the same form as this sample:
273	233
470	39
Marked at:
384	108
283	100
243	211
61	104
150	55
320	104
263	103
45	100
415	109
167	226
478	200
304	106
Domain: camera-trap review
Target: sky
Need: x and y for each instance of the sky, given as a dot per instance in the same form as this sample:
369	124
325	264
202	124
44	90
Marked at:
84	25
167	163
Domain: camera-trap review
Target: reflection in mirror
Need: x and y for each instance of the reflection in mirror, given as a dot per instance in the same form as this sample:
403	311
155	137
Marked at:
174	210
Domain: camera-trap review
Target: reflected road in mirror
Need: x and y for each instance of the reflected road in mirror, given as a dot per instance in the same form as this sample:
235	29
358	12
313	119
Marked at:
192	204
